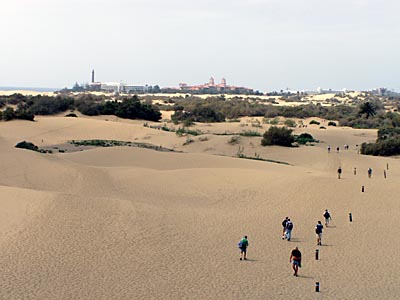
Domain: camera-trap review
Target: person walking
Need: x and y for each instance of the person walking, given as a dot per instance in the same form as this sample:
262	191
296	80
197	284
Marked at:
369	172
337	149
355	171
243	244
339	172
327	217
289	228
384	173
284	227
318	232
329	148
295	260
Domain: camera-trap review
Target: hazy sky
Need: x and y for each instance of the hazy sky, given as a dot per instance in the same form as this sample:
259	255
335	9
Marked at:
263	44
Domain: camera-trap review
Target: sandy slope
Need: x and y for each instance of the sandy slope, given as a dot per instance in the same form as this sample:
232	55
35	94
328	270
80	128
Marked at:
129	223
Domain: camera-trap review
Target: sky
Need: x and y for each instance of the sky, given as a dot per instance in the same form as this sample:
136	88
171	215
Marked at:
262	44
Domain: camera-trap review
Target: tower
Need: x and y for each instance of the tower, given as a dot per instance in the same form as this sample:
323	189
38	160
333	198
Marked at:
211	82
223	82
93	76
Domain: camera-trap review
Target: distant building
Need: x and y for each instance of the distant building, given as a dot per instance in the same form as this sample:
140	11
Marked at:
119	87
330	91
213	88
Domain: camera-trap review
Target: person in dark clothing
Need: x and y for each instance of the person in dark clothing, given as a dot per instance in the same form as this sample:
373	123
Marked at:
295	260
284	227
243	244
318	232
339	172
327	217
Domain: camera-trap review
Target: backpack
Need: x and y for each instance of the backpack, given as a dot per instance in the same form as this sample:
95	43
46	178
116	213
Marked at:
326	215
289	225
240	244
318	229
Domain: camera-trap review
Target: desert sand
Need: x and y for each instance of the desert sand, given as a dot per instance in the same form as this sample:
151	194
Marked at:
132	223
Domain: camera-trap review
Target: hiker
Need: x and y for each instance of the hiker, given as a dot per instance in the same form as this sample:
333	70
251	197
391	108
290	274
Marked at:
339	172
337	149
355	171
369	172
318	231
329	148
295	260
289	228
284	227
384	173
243	244
327	217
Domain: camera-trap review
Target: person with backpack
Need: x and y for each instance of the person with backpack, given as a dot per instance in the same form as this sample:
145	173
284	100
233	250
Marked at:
295	260
289	228
318	231
369	172
327	217
339	172
284	227
243	244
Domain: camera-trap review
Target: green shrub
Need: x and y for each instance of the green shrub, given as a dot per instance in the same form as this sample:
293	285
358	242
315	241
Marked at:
182	131
203	138
314	122
390	146
290	123
9	114
330	123
322	127
250	133
304	138
234	140
71	115
27	145
281	136
188	141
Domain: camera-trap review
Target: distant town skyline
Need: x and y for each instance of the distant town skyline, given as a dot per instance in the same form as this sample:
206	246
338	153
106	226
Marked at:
265	45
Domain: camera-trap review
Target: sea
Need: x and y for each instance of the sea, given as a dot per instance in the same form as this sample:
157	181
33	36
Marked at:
35	89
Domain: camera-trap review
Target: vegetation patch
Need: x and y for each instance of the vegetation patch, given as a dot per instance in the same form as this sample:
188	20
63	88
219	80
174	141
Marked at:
314	122
32	147
304	138
257	157
114	143
184	131
27	145
290	123
387	144
250	133
280	136
234	140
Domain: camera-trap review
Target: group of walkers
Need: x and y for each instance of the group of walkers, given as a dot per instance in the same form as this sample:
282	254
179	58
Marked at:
346	147
295	255
287	229
369	172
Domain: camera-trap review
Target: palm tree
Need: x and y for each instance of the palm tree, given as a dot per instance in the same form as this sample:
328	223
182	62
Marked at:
368	109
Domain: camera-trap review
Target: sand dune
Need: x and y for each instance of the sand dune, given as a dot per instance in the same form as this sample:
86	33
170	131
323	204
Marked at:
130	223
